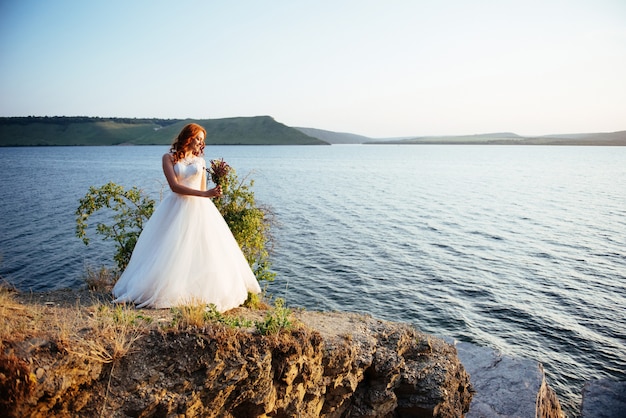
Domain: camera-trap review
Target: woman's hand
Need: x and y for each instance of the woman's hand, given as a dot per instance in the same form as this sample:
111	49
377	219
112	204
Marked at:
214	192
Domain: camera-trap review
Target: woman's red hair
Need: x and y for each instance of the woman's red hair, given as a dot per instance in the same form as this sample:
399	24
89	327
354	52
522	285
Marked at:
182	144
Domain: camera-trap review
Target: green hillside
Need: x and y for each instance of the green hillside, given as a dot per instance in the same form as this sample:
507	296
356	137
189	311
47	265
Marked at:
36	131
507	138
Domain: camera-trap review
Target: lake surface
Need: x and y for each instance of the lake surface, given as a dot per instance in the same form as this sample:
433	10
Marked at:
518	248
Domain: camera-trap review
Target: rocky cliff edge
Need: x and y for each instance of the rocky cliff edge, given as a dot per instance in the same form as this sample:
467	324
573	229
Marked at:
72	353
88	359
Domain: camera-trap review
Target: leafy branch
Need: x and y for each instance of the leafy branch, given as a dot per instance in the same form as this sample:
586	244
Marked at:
249	222
131	208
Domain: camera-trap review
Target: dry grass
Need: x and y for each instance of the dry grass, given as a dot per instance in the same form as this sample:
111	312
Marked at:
96	331
8	306
18	321
84	325
110	333
189	316
87	325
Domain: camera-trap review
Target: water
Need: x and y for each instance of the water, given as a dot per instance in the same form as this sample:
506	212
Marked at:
518	248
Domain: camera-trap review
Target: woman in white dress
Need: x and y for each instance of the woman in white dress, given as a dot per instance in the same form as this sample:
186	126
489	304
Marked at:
186	253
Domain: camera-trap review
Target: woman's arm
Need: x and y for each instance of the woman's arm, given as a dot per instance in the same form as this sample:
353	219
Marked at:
170	175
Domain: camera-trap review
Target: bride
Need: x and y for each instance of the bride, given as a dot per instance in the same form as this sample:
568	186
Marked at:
186	253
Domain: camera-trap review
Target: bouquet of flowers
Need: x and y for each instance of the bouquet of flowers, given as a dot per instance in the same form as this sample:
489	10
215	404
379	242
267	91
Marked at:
218	172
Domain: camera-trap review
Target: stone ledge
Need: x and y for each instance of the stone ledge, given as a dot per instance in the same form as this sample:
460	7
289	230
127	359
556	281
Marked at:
604	399
506	386
335	365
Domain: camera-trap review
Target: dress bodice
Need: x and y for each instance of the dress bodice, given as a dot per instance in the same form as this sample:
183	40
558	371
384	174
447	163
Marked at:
189	171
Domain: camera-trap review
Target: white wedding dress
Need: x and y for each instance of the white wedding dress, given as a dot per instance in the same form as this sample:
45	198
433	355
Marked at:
186	254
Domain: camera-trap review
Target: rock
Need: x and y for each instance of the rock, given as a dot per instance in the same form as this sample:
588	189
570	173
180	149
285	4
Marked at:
398	370
604	399
335	365
507	386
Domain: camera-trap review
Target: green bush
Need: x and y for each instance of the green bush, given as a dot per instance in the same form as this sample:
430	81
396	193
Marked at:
276	320
250	223
132	208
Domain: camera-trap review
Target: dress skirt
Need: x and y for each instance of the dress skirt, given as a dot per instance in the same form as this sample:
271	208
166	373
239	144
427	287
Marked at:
186	254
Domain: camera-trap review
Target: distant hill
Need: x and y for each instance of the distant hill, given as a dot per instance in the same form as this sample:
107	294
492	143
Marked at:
335	137
508	138
454	139
33	131
609	139
257	130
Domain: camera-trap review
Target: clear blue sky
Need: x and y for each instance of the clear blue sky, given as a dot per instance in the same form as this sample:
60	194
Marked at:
375	68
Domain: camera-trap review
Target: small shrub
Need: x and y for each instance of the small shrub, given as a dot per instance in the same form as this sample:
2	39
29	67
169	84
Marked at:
198	315
187	316
249	222
132	208
124	315
213	315
100	280
276	320
256	301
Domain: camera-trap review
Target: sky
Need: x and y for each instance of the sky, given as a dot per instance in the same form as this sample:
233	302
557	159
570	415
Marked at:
375	68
